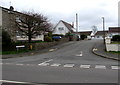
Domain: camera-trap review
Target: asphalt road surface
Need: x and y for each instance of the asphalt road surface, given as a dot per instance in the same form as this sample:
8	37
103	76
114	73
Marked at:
71	62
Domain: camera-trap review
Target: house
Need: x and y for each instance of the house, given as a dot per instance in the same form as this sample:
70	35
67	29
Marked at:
113	31
86	33
8	19
97	35
62	28
100	34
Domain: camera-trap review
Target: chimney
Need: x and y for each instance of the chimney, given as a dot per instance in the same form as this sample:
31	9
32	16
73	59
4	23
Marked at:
73	24
76	22
11	8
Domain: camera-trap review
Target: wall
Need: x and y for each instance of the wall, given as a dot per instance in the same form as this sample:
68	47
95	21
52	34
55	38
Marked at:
8	22
0	16
39	46
112	47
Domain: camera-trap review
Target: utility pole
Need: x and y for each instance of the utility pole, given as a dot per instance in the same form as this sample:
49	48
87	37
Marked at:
76	22
103	29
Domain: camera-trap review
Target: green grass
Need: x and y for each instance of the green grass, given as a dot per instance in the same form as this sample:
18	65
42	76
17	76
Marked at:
115	52
115	43
14	52
38	42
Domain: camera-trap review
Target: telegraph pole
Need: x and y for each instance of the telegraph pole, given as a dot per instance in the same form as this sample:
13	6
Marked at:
76	22
103	29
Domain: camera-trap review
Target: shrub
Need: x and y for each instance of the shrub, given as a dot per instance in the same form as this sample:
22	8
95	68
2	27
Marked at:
50	34
7	43
67	34
48	39
83	36
116	38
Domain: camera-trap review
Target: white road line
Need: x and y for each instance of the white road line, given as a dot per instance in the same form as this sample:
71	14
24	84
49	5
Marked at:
55	64
100	67
43	64
20	64
84	66
7	81
69	65
115	67
7	63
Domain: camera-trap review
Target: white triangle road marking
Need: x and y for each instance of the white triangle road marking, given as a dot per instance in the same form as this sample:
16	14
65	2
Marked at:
55	64
115	67
69	65
100	67
84	66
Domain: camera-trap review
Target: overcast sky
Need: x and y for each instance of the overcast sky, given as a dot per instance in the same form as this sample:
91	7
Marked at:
89	11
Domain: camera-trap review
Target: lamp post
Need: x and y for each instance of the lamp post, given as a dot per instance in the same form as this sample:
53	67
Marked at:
103	29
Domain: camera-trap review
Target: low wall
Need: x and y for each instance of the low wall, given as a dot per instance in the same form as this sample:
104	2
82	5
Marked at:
113	47
38	46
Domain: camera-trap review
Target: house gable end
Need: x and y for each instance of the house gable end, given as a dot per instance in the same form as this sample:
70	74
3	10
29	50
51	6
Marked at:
61	28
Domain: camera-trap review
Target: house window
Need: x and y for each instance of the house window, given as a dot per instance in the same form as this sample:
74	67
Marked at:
18	19
61	28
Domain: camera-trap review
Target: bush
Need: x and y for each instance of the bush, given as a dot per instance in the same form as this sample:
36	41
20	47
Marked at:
83	36
116	38
68	34
7	43
50	34
48	39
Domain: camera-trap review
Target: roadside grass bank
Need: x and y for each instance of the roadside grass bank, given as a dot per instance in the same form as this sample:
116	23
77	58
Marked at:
114	52
14	52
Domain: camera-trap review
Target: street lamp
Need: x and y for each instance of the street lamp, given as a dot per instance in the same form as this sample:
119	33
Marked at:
103	29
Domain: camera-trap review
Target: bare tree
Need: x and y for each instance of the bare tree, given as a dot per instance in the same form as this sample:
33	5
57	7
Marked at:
32	24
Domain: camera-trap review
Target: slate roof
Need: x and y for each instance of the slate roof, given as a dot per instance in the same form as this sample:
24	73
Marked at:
69	26
101	32
114	29
89	32
85	32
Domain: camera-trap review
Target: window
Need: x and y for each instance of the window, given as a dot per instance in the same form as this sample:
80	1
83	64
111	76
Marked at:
18	19
61	28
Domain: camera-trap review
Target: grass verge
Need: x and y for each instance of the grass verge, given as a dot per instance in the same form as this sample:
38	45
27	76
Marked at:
115	52
14	52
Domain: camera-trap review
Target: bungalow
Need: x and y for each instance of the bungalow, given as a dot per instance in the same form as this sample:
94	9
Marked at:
98	34
62	28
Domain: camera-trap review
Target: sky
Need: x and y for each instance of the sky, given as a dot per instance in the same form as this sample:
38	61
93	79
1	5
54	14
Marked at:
90	12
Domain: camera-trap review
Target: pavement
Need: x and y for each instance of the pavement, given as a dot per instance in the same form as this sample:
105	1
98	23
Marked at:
99	49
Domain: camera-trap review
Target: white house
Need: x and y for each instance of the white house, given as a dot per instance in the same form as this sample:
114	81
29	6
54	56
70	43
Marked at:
63	27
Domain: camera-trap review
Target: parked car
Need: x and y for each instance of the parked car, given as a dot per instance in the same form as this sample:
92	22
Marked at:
56	38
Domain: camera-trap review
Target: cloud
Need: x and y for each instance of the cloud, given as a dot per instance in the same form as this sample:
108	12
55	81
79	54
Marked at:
89	11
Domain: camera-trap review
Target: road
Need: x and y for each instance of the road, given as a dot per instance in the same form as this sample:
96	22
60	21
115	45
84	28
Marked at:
62	64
